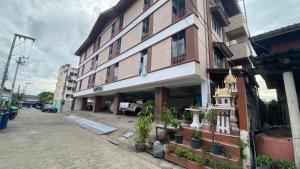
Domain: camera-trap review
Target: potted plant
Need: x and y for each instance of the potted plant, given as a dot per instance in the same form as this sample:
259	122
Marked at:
187	117
283	164
166	118
196	139
178	127
212	120
143	126
264	162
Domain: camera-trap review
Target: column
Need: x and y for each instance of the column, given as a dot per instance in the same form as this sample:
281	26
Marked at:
77	104
205	93
118	99
84	104
97	104
293	107
160	100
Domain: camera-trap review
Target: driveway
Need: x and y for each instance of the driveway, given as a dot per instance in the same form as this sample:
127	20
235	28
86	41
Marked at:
42	140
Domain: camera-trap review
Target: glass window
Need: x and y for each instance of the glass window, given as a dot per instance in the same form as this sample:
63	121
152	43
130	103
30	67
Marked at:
216	27
178	6
116	71
146	2
118	46
218	60
113	29
110	50
107	74
121	18
178	44
145	26
143	63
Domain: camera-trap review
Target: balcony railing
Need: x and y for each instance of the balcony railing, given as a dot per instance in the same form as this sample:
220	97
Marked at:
180	15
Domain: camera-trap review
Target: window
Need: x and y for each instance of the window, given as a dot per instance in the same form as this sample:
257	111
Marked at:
98	41
82	70
113	26
178	44
146	2
80	83
216	27
97	57
121	18
218	60
145	26
85	53
118	46
69	88
143	63
92	80
178	6
110	51
107	74
116	71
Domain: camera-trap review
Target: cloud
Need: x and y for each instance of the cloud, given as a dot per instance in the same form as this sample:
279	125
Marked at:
59	27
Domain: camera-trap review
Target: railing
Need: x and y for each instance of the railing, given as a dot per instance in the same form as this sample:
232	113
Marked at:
180	15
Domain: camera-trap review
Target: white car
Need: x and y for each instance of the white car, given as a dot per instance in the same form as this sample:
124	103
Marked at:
132	107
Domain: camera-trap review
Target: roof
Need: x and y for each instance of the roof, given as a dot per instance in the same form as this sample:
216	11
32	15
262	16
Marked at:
262	43
277	32
102	22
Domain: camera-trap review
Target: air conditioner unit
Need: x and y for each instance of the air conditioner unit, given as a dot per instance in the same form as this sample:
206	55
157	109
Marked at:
233	42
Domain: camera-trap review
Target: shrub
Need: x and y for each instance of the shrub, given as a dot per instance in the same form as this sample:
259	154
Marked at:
263	160
283	164
144	122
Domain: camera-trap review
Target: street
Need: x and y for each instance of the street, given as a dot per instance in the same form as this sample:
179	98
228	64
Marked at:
44	140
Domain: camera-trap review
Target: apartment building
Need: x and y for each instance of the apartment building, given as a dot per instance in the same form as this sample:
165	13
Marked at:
170	51
65	87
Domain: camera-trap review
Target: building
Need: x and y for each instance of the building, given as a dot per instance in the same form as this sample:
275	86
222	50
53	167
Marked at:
175	52
29	100
162	50
278	62
65	86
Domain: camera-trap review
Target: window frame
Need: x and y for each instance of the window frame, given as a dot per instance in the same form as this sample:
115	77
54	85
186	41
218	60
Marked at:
146	26
116	71
177	37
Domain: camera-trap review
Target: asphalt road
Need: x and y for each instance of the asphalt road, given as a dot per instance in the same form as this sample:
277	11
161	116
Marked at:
36	140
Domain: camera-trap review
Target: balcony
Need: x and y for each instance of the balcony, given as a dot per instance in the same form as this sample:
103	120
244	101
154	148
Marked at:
237	27
219	14
240	50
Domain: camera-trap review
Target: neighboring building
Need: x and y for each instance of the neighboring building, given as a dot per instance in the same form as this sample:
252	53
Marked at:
278	62
65	87
160	50
29	101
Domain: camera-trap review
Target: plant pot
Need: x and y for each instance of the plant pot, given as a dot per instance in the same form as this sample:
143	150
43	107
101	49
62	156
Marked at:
195	144
178	139
263	167
140	147
216	149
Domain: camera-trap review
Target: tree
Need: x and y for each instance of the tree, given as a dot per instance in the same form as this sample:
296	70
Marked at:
45	97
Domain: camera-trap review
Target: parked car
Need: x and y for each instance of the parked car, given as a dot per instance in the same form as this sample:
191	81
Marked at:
131	108
49	108
38	106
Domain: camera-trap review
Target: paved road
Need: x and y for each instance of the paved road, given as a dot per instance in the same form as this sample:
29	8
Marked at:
41	140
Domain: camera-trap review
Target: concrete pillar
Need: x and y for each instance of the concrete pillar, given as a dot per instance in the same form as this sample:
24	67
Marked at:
160	100
97	104
84	104
205	93
118	99
293	106
77	104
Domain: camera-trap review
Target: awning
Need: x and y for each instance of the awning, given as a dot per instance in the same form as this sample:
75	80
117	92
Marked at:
223	49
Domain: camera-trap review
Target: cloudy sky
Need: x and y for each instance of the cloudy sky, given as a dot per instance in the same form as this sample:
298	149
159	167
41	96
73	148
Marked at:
61	26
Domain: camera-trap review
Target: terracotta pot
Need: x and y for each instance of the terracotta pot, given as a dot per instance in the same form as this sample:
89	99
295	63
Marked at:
140	147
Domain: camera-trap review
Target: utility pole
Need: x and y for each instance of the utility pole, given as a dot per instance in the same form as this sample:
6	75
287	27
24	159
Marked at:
64	88
26	87
19	62
9	58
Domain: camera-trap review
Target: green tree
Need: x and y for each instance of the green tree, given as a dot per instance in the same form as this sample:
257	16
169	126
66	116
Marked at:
45	97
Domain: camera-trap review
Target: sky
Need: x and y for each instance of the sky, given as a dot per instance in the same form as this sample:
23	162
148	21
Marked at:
60	27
